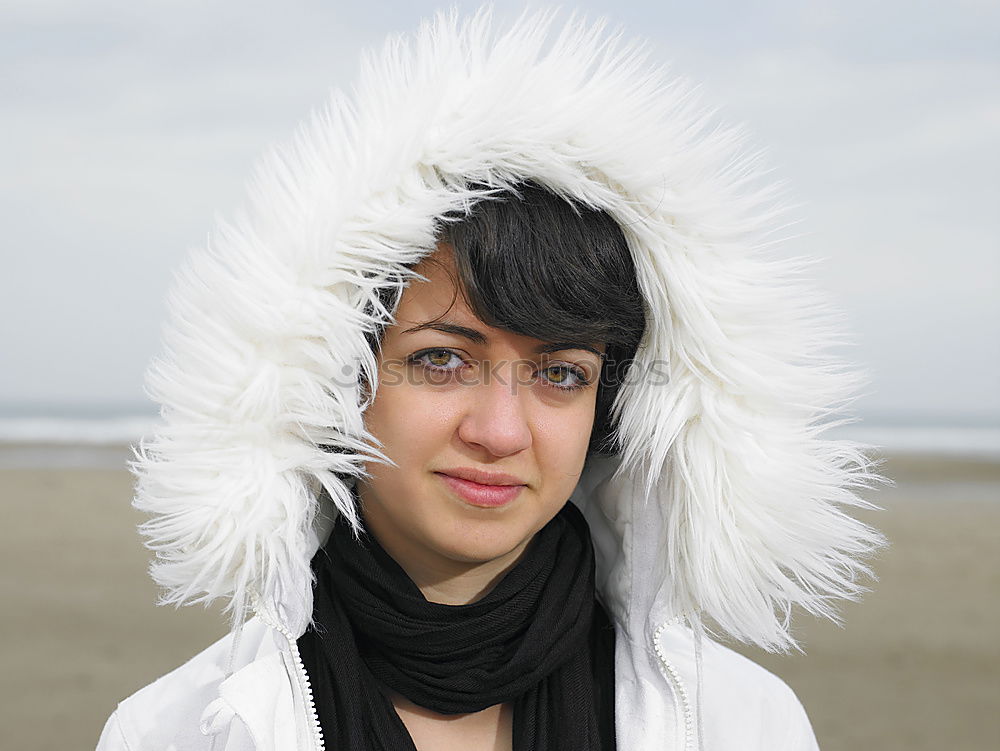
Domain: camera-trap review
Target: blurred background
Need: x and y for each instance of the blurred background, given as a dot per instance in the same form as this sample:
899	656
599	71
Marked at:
129	126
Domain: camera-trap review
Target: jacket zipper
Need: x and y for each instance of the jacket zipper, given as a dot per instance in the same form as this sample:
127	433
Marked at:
677	684
301	676
317	732
313	716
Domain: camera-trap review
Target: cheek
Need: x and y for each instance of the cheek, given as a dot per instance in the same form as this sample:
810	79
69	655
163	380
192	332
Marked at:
561	439
409	425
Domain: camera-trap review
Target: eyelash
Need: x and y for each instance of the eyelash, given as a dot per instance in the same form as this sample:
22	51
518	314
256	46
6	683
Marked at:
581	378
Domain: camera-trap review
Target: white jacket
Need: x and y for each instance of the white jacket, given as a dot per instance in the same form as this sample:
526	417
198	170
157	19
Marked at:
265	703
726	506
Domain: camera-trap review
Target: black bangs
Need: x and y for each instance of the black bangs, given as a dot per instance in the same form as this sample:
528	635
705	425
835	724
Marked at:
537	265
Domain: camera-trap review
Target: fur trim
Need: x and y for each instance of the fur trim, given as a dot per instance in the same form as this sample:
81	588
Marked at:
721	425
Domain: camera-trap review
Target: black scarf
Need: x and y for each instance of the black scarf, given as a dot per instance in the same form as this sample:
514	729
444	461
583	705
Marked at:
539	639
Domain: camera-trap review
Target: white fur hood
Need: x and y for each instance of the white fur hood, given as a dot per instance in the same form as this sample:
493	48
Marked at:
727	502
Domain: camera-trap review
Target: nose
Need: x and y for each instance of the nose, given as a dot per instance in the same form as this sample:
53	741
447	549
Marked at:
497	416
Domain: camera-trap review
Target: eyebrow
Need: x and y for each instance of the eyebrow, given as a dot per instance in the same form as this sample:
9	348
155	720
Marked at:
479	337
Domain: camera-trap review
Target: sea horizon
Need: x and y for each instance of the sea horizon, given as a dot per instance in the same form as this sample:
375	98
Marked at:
92	439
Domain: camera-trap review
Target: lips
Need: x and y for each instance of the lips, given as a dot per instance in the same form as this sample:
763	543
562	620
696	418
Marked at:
484	495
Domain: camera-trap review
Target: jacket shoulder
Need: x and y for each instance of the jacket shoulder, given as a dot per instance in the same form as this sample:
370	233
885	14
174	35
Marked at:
167	713
738	695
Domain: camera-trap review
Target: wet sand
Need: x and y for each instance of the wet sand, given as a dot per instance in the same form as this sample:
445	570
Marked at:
917	662
917	665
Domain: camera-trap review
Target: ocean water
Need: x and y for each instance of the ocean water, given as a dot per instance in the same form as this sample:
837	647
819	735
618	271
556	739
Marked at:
57	443
981	442
63	456
104	442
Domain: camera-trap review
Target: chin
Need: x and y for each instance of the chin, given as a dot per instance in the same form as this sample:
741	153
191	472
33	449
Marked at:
480	542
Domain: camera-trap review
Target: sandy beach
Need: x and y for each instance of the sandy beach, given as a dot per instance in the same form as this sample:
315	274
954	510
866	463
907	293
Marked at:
916	666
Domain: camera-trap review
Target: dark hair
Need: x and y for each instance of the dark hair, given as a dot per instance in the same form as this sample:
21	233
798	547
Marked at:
535	264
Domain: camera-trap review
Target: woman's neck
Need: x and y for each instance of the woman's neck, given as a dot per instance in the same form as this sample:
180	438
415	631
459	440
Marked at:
459	585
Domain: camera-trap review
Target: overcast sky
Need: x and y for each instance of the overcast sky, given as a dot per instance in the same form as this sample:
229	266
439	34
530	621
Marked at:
128	125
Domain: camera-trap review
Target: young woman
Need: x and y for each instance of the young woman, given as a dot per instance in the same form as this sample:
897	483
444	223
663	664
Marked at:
487	415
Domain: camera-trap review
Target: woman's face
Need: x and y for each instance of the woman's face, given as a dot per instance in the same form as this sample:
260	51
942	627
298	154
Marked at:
454	395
